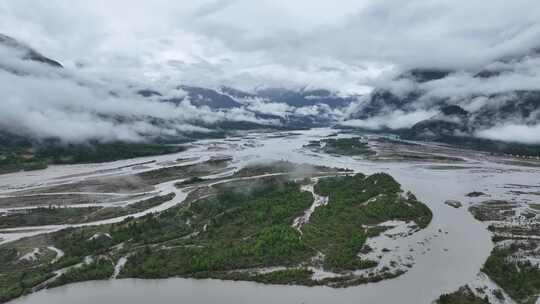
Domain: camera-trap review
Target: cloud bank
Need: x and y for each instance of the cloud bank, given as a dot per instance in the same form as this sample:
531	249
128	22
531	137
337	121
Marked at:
41	101
110	47
513	133
243	43
395	120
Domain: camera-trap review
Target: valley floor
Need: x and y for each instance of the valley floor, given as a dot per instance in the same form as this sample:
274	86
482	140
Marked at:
218	203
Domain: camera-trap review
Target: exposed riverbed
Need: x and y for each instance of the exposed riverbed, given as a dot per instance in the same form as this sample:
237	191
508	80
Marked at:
444	256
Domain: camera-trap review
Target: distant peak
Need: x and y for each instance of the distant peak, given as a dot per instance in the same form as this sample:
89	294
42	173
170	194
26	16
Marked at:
453	110
427	74
29	52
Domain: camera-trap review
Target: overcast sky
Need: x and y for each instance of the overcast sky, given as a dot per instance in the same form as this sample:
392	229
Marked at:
340	44
345	45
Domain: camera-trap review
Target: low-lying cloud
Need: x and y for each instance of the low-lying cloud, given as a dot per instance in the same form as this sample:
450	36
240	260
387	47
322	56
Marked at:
249	44
513	133
489	100
45	102
395	120
113	46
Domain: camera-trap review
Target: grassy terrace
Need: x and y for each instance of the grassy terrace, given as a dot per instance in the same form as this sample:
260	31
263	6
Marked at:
286	168
18	277
228	232
140	182
463	296
292	169
74	215
29	158
520	279
13	162
336	229
355	146
235	230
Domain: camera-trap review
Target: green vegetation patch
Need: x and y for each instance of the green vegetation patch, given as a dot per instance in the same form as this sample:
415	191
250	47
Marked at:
290	276
102	152
463	296
112	212
520	279
74	215
347	146
166	174
295	170
12	162
338	228
100	269
26	157
535	206
44	216
18	276
232	231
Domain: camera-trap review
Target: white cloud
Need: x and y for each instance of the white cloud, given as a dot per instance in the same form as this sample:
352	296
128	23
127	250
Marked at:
273	108
288	43
394	120
48	102
513	133
344	46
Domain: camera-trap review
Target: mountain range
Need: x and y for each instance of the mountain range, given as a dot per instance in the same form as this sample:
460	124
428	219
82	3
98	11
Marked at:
495	107
460	107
